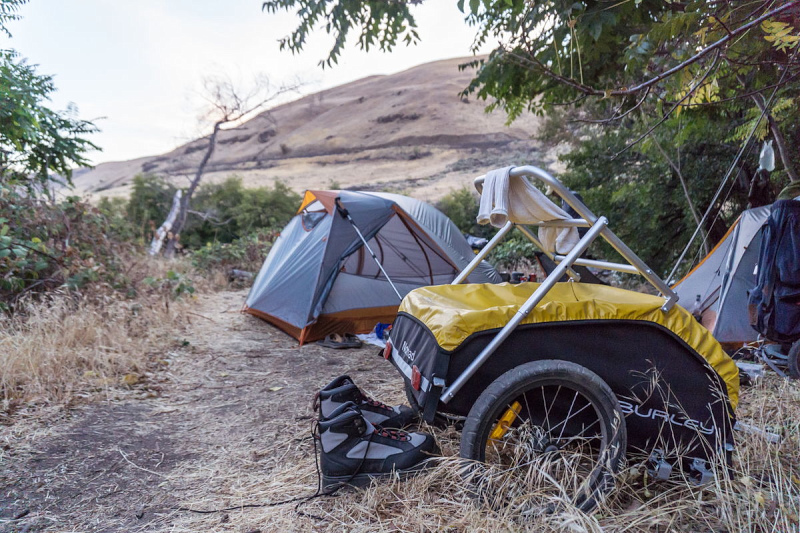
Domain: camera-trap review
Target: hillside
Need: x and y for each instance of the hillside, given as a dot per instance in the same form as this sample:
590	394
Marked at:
407	132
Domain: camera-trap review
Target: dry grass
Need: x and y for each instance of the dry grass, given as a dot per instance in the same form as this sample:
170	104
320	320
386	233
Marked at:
761	492
232	439
67	345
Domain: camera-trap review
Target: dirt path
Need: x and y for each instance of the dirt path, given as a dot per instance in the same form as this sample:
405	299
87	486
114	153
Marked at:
225	424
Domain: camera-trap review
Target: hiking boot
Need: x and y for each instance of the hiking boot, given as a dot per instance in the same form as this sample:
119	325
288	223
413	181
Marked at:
342	390
355	451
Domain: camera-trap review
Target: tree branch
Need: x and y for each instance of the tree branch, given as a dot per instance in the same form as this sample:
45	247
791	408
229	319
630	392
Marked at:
677	170
673	108
618	117
591	91
777	135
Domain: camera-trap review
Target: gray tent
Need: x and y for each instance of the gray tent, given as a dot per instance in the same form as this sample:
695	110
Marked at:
723	277
319	278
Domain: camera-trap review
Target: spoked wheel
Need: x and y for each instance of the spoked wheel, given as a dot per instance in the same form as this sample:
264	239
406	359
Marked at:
794	361
548	434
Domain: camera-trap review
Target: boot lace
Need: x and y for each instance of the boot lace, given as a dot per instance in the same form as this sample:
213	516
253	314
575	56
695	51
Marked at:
375	403
393	434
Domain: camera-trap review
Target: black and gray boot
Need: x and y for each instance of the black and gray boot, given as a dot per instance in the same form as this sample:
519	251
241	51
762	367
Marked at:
354	451
342	390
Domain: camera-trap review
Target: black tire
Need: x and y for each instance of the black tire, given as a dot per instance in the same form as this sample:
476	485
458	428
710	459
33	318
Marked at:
793	361
530	468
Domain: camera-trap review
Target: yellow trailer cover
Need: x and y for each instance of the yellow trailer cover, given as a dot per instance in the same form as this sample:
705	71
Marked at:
454	312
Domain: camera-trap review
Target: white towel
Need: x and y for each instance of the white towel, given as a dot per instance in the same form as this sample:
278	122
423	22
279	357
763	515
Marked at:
517	200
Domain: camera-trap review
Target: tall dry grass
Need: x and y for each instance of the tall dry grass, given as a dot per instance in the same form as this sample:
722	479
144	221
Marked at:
69	344
759	493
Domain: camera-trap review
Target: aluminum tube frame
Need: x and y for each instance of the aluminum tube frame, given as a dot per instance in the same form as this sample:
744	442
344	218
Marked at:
728	271
525	309
559	188
482	254
374	257
568	223
605	265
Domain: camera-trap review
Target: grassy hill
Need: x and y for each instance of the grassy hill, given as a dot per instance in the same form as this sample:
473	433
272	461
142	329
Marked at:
409	132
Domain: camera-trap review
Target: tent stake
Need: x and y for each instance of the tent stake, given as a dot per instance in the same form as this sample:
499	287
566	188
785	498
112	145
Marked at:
346	214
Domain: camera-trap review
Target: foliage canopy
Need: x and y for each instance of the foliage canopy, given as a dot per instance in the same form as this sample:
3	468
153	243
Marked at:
35	140
672	96
675	55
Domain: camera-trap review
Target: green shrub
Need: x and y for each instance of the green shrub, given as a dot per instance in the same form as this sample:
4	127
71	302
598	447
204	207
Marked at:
246	253
219	212
227	211
173	285
149	204
461	206
120	226
45	245
513	253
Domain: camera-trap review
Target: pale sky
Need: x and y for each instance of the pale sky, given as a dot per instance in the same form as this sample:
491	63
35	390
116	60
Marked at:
140	63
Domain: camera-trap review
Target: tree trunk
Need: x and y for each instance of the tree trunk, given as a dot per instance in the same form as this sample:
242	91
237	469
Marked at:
777	136
175	235
166	227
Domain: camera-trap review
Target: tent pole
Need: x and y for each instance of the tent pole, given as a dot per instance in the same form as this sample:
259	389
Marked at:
346	214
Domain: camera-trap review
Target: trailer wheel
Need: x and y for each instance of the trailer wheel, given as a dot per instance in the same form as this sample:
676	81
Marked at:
544	435
794	361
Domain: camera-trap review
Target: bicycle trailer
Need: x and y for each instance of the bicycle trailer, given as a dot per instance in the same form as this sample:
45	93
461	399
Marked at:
540	369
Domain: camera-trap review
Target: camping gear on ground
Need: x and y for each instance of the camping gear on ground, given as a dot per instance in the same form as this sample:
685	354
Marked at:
354	451
557	381
775	300
339	342
342	390
723	279
320	278
476	243
548	266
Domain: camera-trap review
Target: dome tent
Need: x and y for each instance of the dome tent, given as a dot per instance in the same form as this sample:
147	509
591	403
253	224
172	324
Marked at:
320	279
717	288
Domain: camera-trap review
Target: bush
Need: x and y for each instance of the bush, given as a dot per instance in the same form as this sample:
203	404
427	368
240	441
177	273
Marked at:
227	211
219	212
461	206
149	204
514	253
119	225
44	245
247	253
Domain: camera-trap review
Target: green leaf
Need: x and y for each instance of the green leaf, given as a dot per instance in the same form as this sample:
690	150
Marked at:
474	6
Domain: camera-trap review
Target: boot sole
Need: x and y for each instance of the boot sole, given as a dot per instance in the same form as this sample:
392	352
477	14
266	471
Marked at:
363	479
